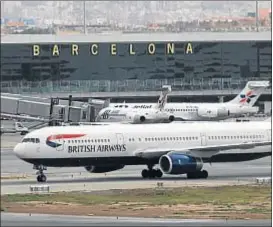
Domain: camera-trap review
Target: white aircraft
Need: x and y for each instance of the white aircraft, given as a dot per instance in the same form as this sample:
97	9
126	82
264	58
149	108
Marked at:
177	148
241	104
18	127
124	113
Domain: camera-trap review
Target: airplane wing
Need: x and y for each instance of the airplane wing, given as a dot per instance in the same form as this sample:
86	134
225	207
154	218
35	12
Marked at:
157	152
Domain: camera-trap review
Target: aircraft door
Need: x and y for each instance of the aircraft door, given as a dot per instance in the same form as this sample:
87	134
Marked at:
203	139
120	138
59	144
38	148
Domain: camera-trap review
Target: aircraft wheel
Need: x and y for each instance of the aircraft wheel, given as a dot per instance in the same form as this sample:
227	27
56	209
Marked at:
152	173
145	173
198	175
205	174
159	173
41	178
191	175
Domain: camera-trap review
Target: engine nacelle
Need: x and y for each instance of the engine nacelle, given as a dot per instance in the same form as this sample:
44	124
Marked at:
150	117
171	118
103	169
179	164
135	118
213	112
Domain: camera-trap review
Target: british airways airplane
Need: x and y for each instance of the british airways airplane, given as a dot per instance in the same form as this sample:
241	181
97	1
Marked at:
243	103
180	148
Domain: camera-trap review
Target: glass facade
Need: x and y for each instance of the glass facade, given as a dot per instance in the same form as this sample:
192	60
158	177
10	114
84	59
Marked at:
111	62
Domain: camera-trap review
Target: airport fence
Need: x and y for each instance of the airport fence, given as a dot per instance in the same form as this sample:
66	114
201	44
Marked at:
70	86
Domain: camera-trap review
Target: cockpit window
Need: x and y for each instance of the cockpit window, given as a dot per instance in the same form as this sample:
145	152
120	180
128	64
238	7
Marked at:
26	140
31	140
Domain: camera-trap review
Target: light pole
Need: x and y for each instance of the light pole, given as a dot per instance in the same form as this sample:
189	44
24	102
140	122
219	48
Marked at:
84	19
257	16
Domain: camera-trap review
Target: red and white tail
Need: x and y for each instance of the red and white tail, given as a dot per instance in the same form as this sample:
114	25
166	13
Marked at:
250	94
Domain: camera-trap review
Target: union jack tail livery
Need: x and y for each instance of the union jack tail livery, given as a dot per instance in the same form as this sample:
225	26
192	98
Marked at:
250	94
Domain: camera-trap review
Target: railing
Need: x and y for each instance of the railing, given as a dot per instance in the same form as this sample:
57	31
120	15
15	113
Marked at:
83	86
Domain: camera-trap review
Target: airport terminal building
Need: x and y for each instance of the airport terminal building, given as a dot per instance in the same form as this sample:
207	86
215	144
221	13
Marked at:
133	62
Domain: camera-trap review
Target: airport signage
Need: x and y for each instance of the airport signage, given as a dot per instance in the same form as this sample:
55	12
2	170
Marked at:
94	49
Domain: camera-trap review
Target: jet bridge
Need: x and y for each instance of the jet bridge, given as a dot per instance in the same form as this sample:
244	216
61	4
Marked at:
41	109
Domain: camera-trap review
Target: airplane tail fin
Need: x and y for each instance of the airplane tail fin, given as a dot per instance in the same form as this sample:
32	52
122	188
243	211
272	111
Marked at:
166	89
250	94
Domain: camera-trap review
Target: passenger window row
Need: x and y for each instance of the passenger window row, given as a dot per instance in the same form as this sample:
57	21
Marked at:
187	138
236	137
183	110
90	141
31	140
165	138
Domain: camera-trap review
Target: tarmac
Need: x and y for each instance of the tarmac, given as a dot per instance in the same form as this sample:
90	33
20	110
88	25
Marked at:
17	176
11	219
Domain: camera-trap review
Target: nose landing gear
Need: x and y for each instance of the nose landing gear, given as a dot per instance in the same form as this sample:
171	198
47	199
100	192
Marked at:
41	177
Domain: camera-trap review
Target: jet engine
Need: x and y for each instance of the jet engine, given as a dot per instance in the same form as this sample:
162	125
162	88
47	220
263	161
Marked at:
150	117
135	118
213	112
103	168
179	164
171	118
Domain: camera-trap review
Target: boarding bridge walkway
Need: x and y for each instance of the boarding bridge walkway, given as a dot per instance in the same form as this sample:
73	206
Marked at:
38	109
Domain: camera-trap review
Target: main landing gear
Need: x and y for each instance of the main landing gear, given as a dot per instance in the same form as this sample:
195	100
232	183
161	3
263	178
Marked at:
197	175
151	173
41	177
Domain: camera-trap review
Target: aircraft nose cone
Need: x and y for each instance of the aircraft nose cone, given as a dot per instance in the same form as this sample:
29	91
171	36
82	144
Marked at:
18	150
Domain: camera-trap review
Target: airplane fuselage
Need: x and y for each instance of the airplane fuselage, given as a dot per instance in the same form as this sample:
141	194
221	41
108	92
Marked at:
185	111
118	144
